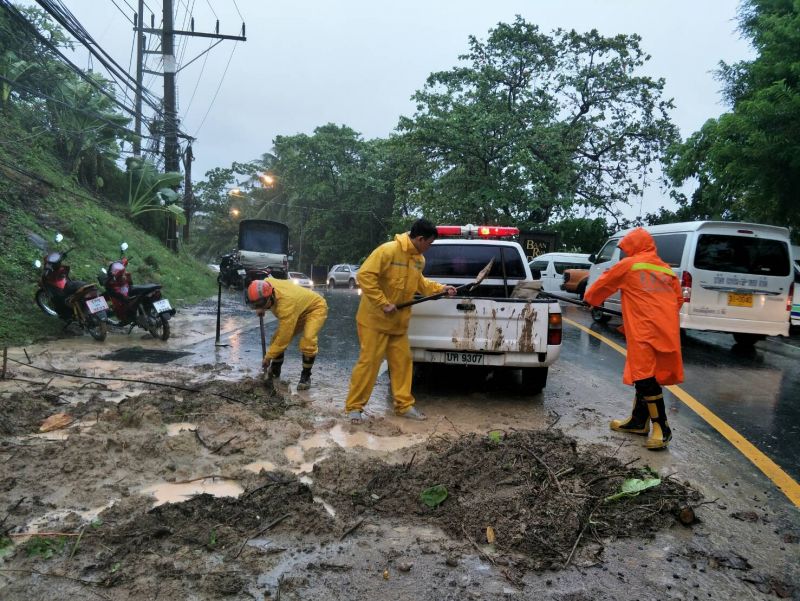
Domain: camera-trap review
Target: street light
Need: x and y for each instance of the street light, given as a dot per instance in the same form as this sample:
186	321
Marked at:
267	179
234	212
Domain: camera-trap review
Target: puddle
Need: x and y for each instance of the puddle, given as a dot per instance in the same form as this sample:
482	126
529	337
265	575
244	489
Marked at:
257	466
296	455
43	523
178	427
137	354
177	492
340	436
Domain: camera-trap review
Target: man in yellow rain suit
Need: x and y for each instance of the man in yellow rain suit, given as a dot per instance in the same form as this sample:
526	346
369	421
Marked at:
391	275
298	310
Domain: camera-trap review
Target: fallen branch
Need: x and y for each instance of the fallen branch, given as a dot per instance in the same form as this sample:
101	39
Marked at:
351	529
269	526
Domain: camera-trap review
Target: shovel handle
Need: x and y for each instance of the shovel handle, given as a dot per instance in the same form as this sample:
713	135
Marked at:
263	338
420	300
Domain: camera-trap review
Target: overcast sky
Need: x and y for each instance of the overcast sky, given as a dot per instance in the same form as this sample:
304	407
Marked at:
357	62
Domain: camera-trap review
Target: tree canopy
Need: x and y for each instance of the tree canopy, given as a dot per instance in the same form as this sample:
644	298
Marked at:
534	126
747	161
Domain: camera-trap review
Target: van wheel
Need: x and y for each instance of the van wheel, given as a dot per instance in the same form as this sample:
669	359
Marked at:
351	283
331	283
534	379
581	290
747	340
599	317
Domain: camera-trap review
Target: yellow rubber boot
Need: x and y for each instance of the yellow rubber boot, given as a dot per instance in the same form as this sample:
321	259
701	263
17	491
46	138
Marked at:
661	435
637	423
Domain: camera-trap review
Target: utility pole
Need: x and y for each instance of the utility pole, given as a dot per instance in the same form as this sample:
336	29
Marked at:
138	22
171	148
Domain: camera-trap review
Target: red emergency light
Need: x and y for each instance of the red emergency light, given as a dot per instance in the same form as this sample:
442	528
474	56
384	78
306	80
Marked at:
480	231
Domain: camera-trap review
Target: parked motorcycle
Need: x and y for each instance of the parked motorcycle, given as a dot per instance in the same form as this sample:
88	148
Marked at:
231	270
132	305
71	300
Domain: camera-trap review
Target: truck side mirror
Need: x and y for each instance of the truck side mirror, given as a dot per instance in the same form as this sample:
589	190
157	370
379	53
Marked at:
537	274
592	258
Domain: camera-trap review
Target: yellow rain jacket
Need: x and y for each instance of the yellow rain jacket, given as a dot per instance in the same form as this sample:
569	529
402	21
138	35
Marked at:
392	274
297	310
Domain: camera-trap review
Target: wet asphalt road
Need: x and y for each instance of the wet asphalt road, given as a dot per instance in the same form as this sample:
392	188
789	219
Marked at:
756	392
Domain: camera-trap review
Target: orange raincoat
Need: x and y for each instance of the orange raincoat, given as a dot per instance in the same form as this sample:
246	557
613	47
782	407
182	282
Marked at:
651	302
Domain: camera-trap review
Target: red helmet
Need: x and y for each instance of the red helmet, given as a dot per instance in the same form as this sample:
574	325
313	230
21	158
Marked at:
259	291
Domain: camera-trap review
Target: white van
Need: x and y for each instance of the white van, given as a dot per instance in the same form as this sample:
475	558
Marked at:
552	266
736	277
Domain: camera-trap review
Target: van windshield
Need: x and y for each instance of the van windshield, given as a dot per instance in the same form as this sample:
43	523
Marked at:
607	251
740	254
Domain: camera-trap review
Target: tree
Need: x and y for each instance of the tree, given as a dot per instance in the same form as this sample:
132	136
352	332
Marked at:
334	191
535	125
747	162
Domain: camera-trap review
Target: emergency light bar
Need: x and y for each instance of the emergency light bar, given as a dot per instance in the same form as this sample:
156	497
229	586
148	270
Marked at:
481	231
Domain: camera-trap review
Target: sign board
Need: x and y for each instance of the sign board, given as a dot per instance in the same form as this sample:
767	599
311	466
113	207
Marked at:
538	243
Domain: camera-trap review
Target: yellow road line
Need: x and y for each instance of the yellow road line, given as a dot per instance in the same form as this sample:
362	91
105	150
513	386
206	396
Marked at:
769	468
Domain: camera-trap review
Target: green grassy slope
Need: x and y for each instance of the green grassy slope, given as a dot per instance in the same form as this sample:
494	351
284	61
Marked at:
30	208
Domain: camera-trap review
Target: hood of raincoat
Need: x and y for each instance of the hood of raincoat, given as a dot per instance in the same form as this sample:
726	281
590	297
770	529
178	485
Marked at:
404	240
638	241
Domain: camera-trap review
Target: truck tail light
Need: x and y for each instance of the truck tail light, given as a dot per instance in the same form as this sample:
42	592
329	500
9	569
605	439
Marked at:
686	286
790	298
554	328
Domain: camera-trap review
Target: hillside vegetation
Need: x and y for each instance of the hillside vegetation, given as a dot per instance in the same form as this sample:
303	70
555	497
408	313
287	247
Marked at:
37	200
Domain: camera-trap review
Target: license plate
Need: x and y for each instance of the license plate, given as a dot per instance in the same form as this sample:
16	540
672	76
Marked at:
740	300
162	305
97	304
241	271
464	358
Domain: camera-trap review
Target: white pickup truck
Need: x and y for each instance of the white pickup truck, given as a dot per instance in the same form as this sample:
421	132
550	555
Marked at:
492	325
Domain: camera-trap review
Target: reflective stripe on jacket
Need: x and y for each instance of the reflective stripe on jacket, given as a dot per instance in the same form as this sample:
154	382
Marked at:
392	274
651	302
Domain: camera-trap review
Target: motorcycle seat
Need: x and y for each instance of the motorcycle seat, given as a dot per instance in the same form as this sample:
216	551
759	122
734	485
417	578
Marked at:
143	289
77	289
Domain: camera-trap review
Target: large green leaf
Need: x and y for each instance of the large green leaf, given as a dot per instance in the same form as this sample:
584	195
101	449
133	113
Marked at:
633	486
433	496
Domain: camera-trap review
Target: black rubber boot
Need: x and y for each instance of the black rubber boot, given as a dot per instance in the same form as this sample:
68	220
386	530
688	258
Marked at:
275	366
638	422
305	375
661	435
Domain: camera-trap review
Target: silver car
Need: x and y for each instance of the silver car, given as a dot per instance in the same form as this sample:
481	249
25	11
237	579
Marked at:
343	275
301	279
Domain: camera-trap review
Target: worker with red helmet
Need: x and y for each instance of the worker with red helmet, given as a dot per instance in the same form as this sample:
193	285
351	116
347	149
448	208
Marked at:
298	311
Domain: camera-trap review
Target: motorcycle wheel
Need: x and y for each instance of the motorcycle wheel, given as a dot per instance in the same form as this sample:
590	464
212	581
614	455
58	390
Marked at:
97	327
158	325
45	302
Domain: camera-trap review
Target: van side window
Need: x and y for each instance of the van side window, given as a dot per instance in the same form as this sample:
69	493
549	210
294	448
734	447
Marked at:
607	251
740	254
670	248
562	265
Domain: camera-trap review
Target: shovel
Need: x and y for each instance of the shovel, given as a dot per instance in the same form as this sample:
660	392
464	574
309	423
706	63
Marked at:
481	276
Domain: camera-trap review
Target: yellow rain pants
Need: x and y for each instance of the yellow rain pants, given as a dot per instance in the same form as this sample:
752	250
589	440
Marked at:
374	346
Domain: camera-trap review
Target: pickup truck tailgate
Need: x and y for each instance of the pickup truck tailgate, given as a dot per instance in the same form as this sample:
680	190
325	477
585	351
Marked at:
480	324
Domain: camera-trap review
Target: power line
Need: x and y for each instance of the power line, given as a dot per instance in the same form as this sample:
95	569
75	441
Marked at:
16	15
216	93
